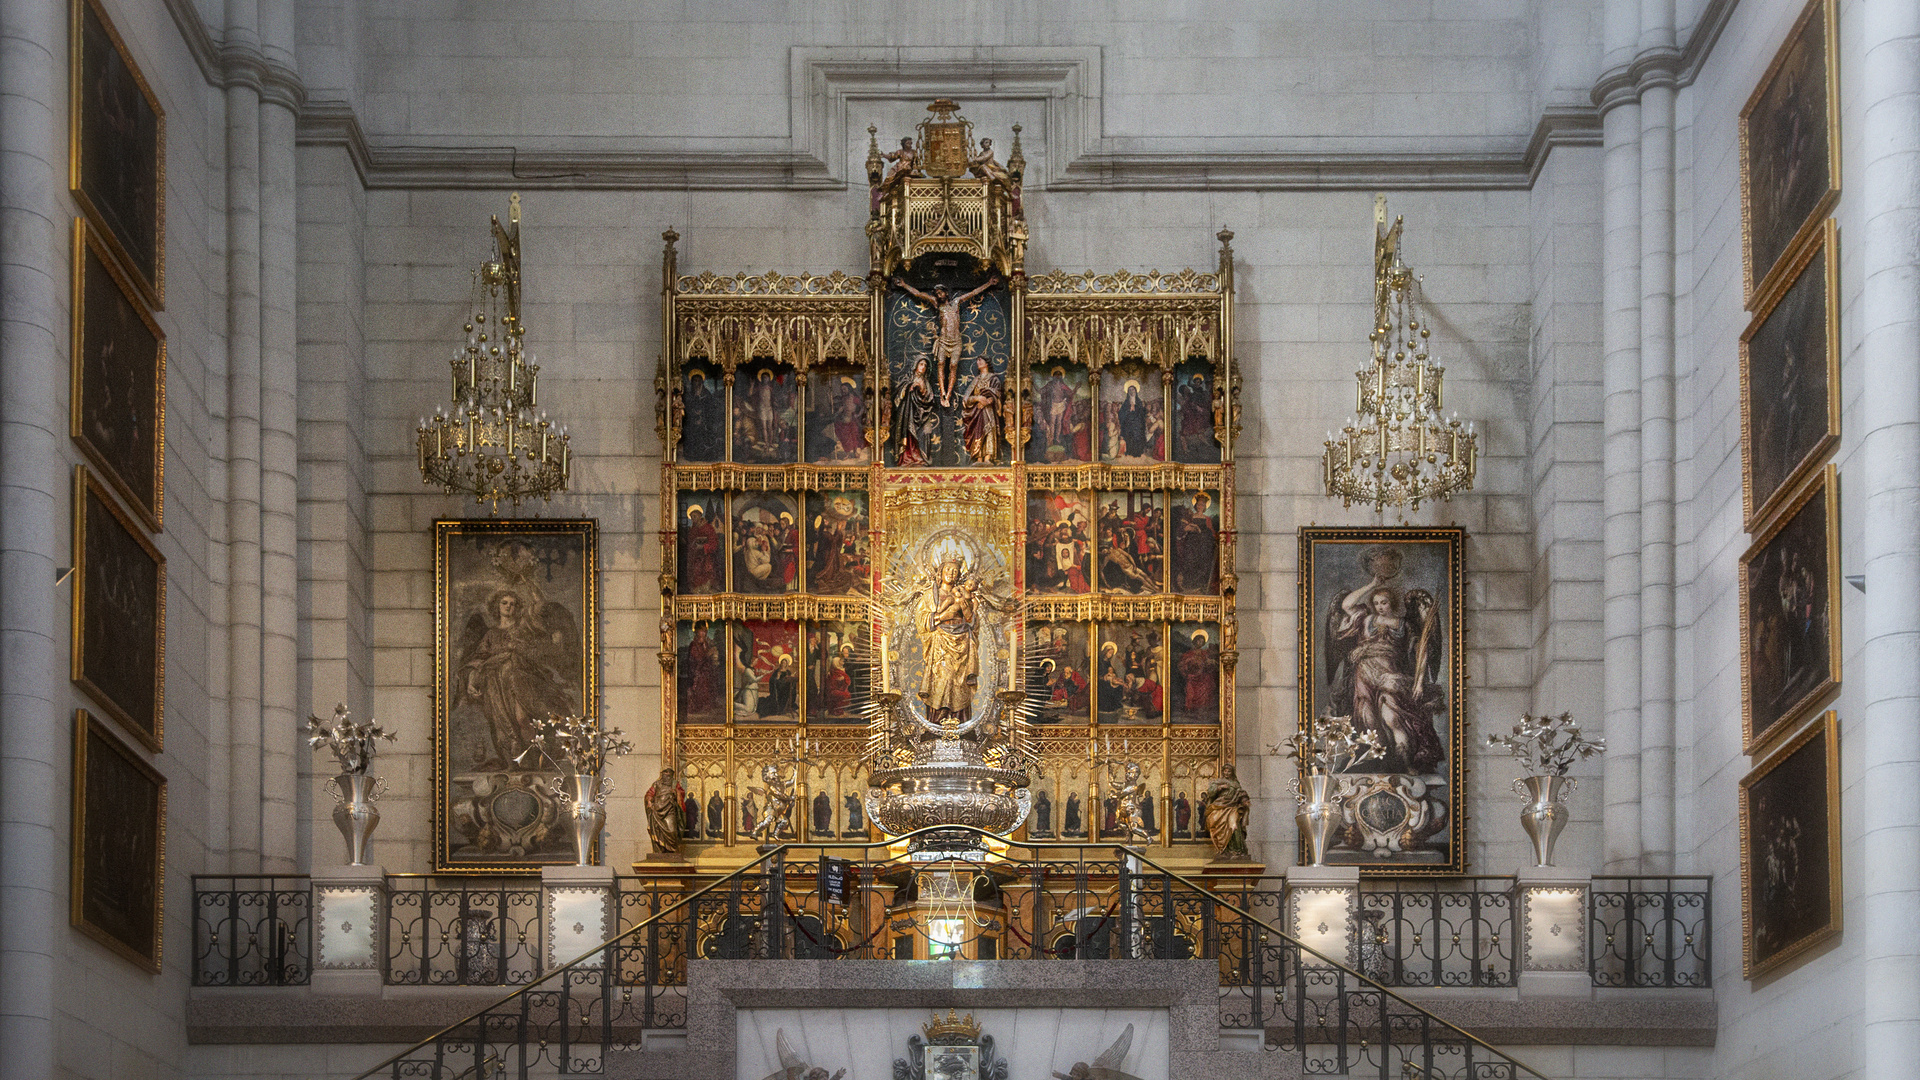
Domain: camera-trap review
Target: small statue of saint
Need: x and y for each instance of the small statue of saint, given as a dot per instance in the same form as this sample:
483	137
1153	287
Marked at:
666	802
1225	809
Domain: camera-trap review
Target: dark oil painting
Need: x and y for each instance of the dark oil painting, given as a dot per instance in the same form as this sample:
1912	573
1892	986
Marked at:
1789	636
1132	540
766	543
701	672
1059	678
1790	851
1059	543
119	149
1789	363
119	844
766	672
837	417
1131	684
517	620
119	392
1133	415
120	612
703	427
1194	440
1195	534
1062	415
1380	622
837	537
837	677
1194	673
1787	142
702	542
766	415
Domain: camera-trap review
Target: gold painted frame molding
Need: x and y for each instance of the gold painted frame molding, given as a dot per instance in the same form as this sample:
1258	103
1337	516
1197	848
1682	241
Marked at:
1823	245
516	640
1799	780
1779	566
1322	661
1766	239
107	663
86	178
119	848
142	481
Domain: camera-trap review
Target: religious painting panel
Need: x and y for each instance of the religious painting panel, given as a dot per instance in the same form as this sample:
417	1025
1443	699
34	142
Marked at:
1789	607
1059	666
1131	687
837	681
1790	851
1059	543
1789	379
837	538
766	672
1194	673
118	152
1195	442
703	426
766	415
516	614
118	408
1133	420
1132	537
1062	428
1789	147
766	543
700	674
119	612
1196	542
948	346
119	845
1381	616
837	416
702	520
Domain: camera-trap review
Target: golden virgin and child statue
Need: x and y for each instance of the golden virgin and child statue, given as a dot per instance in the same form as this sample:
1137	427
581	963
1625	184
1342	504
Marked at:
887	430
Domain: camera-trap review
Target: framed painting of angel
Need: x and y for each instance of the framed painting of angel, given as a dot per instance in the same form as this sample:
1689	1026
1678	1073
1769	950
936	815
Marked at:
1381	616
516	621
1789	149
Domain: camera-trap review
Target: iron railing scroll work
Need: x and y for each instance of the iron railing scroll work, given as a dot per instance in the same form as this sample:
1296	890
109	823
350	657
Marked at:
1002	900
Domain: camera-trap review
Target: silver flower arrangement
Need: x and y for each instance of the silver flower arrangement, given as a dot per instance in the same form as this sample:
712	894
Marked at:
1331	744
575	744
352	742
1547	745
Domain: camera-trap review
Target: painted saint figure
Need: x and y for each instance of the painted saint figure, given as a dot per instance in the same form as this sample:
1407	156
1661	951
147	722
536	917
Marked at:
915	423
946	343
1224	810
517	663
983	415
1384	666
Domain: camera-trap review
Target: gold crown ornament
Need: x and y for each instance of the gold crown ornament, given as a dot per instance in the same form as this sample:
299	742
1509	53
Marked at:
953	1027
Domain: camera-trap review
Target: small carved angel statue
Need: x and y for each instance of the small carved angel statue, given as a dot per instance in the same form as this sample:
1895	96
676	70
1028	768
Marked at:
1107	1065
792	1065
1130	795
776	794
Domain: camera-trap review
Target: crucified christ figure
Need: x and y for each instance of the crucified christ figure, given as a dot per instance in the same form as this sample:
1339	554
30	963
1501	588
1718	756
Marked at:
946	345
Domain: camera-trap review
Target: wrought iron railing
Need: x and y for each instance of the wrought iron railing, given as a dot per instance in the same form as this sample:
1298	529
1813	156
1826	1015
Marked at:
1650	932
1437	931
451	931
1038	902
252	930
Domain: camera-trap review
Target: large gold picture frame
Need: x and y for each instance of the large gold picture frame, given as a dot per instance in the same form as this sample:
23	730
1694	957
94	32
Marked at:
1790	887
516	642
117	148
1789	149
117	408
119	612
1790	378
119	846
1790	613
1383	611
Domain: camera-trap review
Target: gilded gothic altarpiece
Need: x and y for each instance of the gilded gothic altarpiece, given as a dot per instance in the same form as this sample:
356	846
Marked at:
959	482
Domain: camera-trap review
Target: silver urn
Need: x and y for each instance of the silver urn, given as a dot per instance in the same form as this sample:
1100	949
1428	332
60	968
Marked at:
1545	814
951	784
354	812
1319	815
585	799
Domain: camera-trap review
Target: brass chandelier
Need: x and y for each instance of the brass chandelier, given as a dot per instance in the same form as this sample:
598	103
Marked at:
1397	450
491	444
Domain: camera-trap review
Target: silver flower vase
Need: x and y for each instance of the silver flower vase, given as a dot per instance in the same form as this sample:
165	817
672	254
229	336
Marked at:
1545	814
586	802
354	811
1318	815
